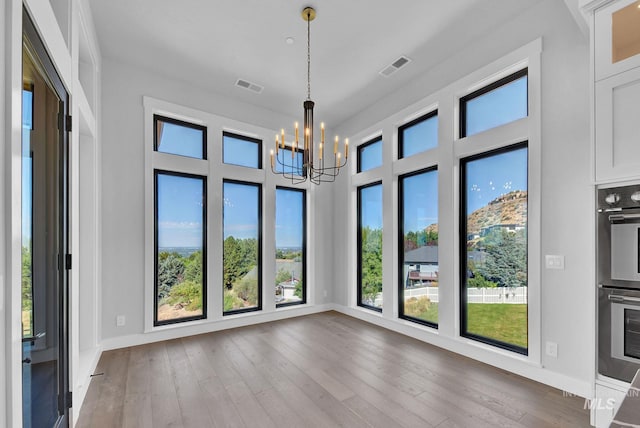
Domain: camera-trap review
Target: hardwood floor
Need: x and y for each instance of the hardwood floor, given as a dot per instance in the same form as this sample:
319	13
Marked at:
320	370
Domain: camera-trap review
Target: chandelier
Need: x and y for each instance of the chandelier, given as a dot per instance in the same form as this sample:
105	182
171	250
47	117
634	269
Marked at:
298	161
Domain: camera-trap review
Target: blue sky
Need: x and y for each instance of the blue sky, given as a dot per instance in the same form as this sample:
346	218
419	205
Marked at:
27	112
420	137
180	140
180	219
289	225
371	206
490	177
180	209
420	201
241	214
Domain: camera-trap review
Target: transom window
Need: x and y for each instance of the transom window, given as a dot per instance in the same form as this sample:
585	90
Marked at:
176	137
419	135
499	103
370	155
241	150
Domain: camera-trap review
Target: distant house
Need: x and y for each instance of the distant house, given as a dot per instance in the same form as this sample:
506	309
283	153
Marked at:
421	266
286	290
513	228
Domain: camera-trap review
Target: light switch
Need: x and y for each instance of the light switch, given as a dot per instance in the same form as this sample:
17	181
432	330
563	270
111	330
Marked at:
554	262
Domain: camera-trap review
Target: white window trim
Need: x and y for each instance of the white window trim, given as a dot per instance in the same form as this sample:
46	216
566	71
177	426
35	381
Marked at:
216	171
447	158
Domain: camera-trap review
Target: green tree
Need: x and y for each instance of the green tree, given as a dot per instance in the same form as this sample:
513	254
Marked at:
371	263
193	267
506	258
170	272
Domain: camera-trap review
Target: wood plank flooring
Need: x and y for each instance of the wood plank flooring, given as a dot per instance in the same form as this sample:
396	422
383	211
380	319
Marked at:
321	370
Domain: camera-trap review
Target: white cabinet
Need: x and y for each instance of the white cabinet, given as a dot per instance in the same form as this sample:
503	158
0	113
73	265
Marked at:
616	56
617	38
606	403
617	128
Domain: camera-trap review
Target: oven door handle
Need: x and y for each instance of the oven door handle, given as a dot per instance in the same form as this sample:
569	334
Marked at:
623	299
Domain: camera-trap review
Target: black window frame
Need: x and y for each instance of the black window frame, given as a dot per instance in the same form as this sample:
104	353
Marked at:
244	138
304	246
363	146
359	245
401	313
258	307
158	117
463	260
156	253
484	90
402	128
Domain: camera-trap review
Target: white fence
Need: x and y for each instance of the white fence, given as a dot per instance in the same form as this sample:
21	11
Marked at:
476	295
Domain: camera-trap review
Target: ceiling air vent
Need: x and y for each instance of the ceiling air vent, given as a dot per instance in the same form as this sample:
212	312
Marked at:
395	66
249	86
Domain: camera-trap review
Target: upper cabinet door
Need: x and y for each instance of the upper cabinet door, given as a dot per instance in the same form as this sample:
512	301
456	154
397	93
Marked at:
617	115
617	38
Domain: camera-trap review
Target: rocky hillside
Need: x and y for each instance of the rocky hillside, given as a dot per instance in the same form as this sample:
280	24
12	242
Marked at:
510	208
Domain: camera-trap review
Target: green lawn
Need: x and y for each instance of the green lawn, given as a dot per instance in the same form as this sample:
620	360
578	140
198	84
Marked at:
503	322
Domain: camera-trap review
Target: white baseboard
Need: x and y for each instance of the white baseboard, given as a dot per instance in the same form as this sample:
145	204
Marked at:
495	357
224	324
87	366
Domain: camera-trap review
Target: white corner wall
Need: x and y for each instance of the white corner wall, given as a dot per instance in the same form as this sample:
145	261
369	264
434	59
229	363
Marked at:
122	198
567	192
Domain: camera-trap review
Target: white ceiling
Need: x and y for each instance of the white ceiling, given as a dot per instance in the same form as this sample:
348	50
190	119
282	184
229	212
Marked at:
211	44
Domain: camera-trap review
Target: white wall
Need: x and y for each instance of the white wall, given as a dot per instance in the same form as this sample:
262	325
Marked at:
122	193
567	224
3	207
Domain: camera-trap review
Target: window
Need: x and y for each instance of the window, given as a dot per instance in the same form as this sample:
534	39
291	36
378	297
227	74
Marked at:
180	247
28	323
497	104
370	155
419	135
285	162
241	150
493	255
176	137
418	246
370	246
291	251
242	248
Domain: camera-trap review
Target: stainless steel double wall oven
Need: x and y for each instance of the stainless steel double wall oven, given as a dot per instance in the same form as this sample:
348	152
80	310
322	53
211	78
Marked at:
618	274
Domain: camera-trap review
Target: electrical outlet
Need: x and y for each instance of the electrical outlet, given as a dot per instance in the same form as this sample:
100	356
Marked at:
554	262
552	349
325	293
120	321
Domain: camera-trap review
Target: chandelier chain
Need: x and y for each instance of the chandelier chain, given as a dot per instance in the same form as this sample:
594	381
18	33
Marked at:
309	55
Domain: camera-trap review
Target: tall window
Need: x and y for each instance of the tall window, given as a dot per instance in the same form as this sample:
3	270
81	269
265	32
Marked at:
419	135
493	255
242	249
497	104
370	155
370	246
241	150
180	247
180	213
291	251
418	247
